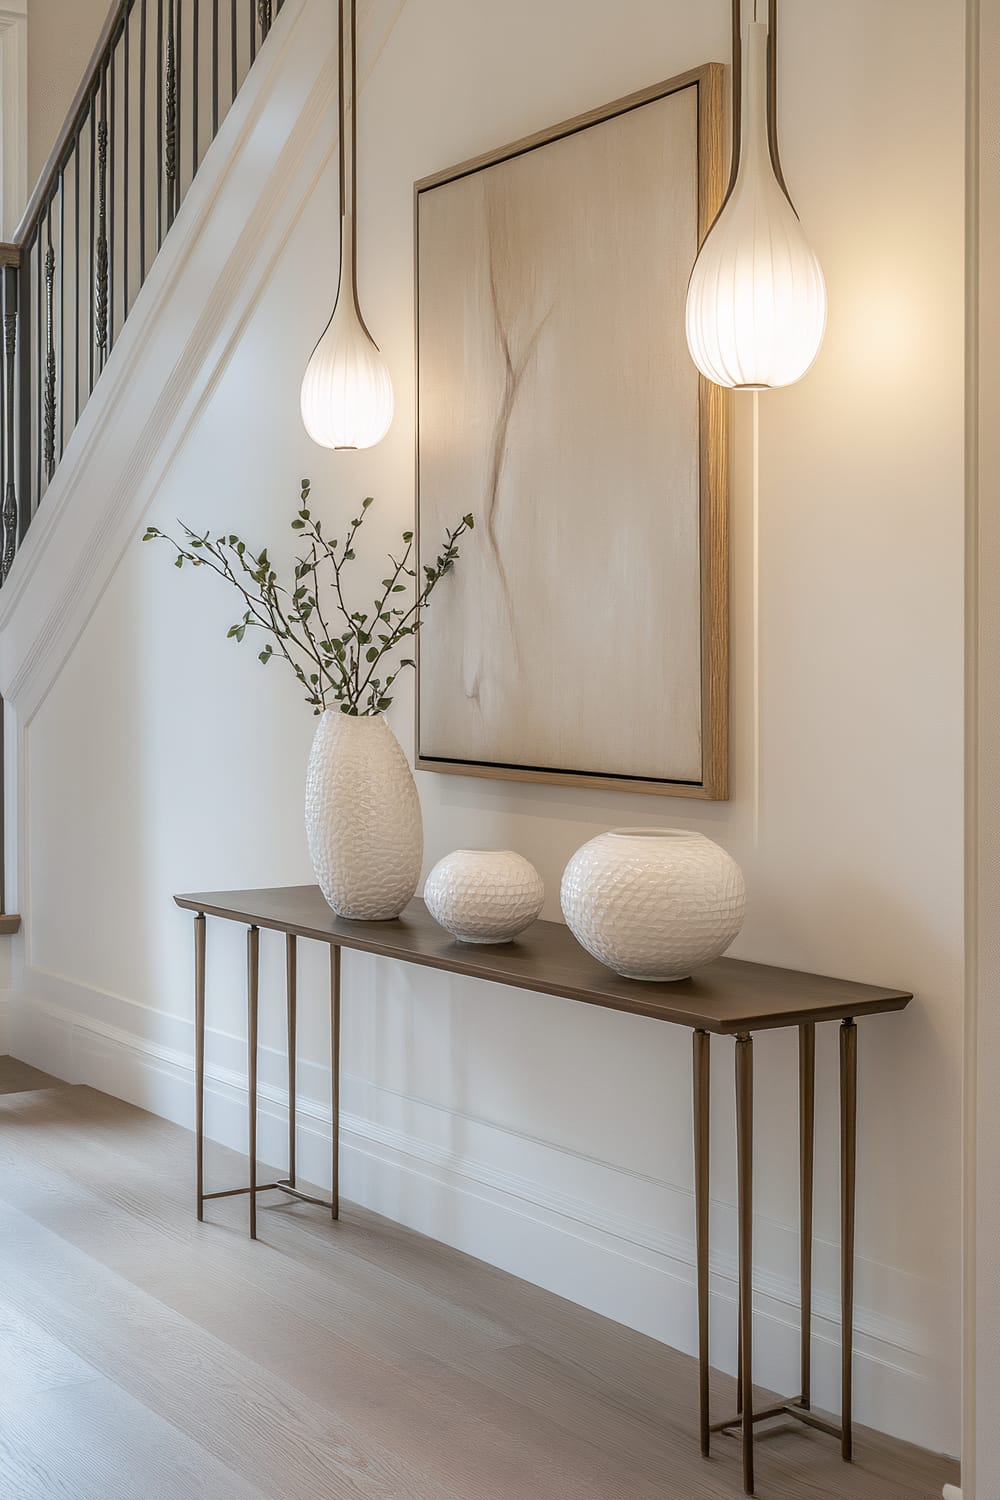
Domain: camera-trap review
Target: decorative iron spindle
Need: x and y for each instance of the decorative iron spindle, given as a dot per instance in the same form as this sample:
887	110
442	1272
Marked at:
10	367
101	282
49	433
264	16
170	121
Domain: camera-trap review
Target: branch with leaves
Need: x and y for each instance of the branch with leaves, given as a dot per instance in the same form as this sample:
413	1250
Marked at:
344	662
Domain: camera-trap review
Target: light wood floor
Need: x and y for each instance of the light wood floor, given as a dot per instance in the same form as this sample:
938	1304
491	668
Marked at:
144	1355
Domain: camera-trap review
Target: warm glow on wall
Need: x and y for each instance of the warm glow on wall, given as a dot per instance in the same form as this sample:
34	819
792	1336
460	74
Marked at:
756	301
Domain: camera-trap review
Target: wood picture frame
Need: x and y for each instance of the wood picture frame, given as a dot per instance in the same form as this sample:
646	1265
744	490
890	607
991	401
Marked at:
708	647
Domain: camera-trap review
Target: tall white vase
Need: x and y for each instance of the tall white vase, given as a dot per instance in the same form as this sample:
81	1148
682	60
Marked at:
362	817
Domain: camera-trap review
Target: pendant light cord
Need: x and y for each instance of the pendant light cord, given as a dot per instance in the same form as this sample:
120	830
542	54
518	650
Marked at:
354	151
348	200
340	112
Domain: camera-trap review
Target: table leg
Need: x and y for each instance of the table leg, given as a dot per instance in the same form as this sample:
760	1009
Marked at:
807	1131
744	1149
199	1058
291	988
335	1078
848	1164
739	1352
701	1095
253	986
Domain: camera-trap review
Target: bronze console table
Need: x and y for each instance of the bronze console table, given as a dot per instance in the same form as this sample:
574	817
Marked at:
728	998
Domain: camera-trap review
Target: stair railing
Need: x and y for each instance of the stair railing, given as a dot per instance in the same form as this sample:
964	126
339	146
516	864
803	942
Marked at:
161	79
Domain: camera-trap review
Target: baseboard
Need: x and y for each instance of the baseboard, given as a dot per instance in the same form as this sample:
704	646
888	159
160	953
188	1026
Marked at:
621	1266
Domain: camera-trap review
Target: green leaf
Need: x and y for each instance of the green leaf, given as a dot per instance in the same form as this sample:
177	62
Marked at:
369	500
372	654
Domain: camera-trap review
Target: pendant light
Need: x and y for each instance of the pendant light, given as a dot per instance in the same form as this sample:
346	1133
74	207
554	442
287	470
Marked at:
346	398
756	301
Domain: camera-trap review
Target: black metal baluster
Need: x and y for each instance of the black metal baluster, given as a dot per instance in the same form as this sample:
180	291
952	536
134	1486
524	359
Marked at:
11	277
195	86
142	143
6	402
126	100
110	196
24	392
39	388
49	400
170	116
264	15
160	64
215	68
101	283
92	234
253	31
233	36
62	311
5	451
178	80
76	281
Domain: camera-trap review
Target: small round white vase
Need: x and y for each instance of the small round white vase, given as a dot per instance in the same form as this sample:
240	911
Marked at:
653	903
484	895
362	817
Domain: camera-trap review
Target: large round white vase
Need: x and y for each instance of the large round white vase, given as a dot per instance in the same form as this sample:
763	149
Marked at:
653	903
362	817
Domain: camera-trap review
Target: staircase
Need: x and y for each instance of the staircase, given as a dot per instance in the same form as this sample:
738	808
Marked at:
163	77
155	229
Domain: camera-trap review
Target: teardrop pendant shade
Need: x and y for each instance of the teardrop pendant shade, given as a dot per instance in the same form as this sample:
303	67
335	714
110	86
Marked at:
756	301
346	397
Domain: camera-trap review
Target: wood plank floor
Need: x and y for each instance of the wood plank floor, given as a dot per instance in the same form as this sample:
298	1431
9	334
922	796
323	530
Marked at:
16	1077
144	1355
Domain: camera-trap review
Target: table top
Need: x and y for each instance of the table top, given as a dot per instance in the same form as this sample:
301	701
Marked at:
728	996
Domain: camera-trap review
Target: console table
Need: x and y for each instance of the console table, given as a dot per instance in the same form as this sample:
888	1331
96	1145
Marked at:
726	998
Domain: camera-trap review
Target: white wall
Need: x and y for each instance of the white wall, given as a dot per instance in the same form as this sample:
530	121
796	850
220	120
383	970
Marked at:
549	1138
62	35
13	114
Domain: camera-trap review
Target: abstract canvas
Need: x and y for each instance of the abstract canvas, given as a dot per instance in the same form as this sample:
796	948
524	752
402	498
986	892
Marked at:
582	638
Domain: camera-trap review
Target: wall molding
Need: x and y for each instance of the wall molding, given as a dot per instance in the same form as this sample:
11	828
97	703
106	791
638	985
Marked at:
582	1247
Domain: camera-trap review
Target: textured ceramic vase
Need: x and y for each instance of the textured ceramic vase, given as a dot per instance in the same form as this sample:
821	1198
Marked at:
653	903
484	895
362	817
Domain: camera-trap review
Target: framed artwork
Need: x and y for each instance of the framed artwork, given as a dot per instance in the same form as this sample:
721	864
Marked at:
583	637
